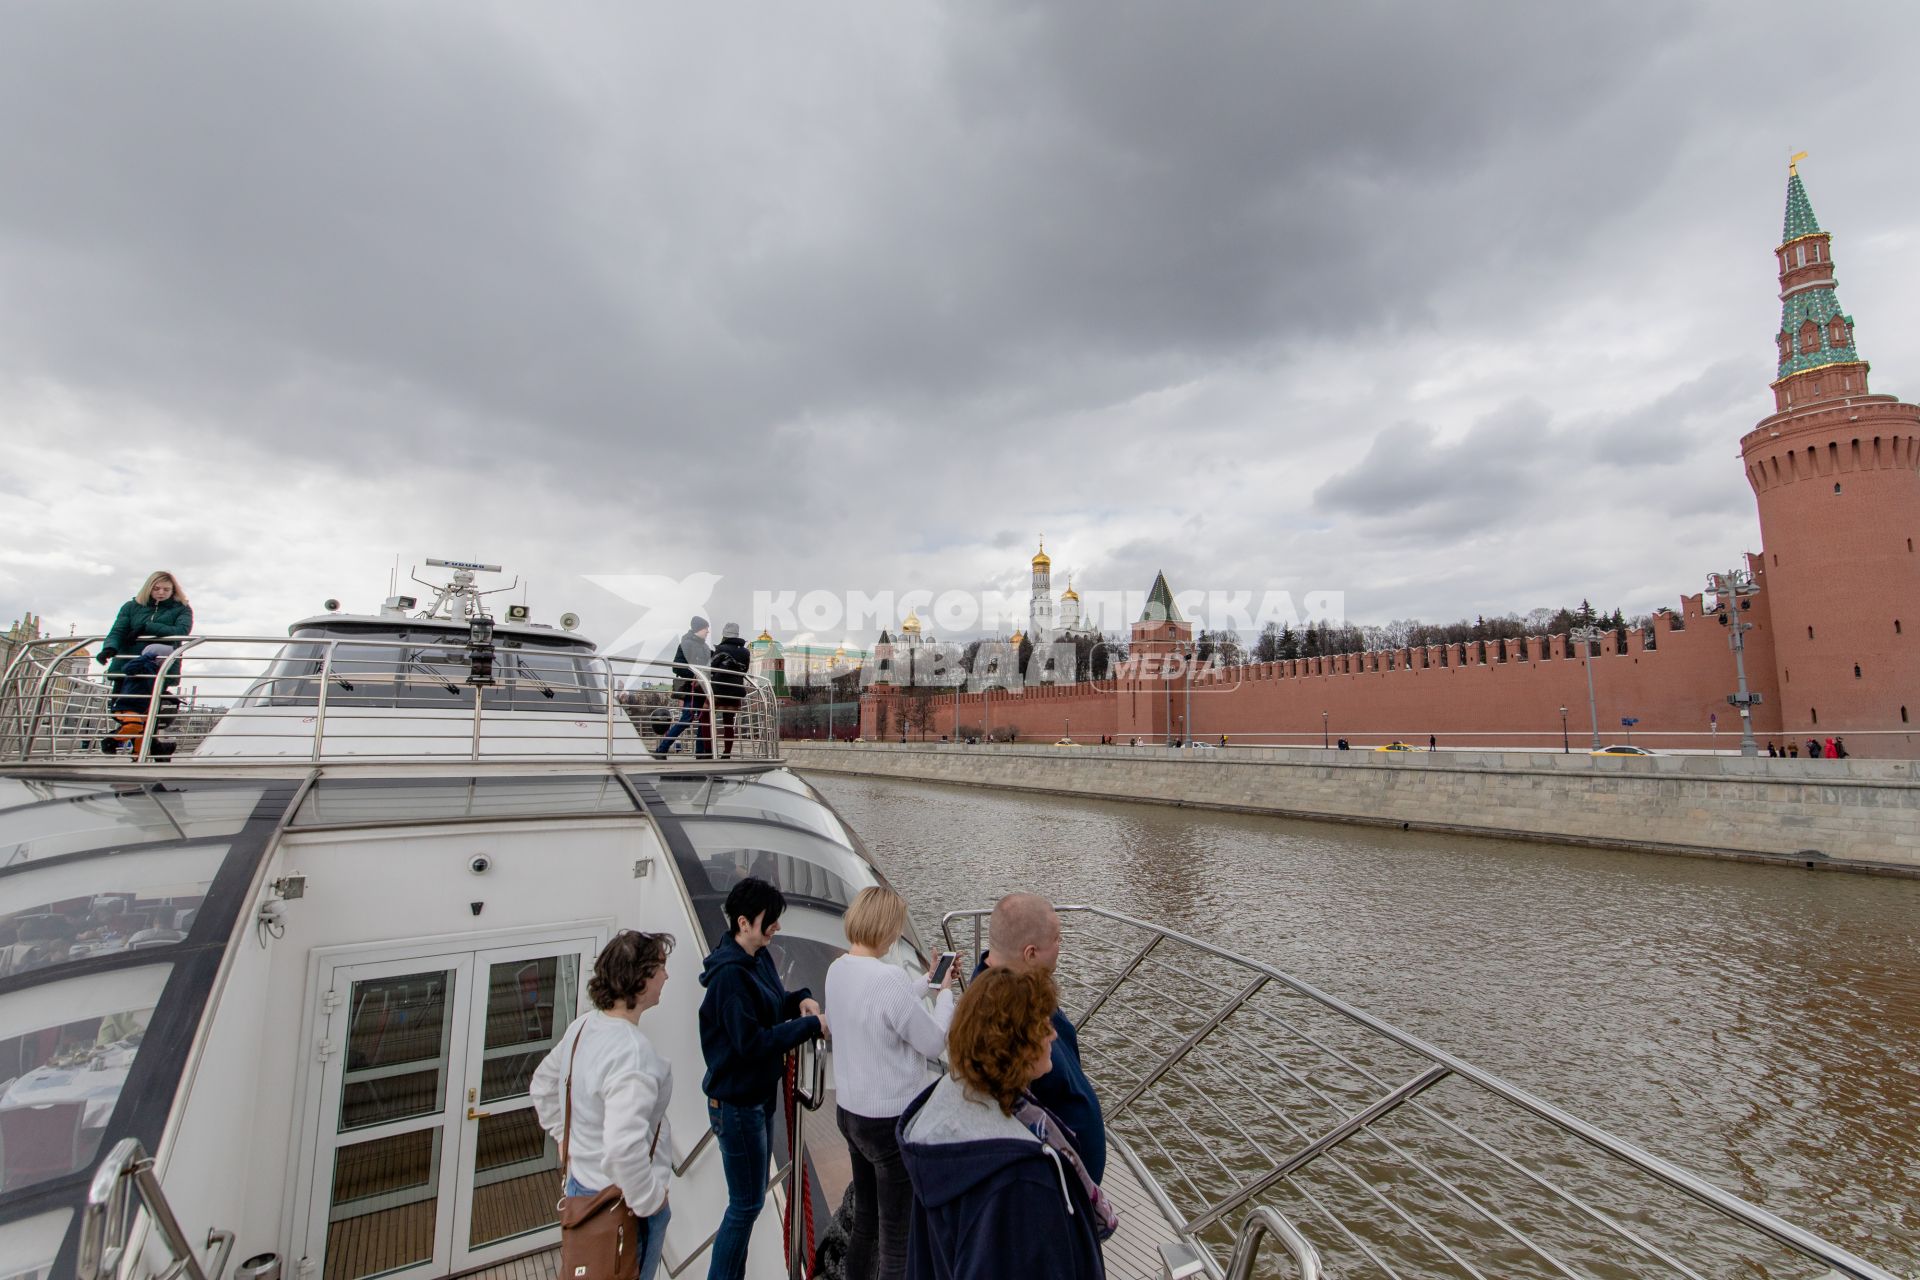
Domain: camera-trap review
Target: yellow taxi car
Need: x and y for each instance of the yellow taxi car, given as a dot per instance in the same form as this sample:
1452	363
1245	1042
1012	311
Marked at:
1396	746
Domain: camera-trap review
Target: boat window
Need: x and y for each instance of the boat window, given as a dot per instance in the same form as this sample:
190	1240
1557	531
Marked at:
806	867
108	817
102	821
28	1247
428	668
74	910
18	791
755	796
66	1049
345	802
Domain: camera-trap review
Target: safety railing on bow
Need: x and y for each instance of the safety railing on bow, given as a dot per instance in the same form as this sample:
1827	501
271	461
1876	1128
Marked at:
275	699
125	1183
1233	1086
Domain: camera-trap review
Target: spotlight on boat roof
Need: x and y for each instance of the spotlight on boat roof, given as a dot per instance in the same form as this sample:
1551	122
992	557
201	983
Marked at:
569	622
518	613
333	606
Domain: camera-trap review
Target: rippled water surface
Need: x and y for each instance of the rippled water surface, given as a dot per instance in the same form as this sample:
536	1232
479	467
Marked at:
1758	1025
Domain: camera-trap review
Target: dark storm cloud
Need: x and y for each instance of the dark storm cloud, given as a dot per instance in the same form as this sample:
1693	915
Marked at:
830	290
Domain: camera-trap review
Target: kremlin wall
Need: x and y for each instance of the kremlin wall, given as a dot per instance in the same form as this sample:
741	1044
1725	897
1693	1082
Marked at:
1833	648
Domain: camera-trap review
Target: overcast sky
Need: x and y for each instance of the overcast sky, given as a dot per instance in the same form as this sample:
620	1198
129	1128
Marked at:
1455	308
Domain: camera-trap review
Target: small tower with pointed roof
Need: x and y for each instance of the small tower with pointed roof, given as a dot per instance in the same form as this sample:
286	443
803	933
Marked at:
1836	473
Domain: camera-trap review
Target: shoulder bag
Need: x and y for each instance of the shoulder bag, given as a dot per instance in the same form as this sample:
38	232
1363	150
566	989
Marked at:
600	1238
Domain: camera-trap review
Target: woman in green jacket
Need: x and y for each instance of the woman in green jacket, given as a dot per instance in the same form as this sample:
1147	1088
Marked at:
157	610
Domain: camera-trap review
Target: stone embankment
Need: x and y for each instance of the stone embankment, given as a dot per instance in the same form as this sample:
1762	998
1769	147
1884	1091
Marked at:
1859	815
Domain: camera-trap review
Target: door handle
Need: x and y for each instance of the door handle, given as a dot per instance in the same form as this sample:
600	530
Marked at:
477	1115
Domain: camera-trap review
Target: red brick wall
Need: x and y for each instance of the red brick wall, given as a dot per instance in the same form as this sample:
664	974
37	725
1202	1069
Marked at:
1838	484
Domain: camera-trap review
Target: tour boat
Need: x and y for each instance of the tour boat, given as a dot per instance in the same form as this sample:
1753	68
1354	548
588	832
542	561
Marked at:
275	974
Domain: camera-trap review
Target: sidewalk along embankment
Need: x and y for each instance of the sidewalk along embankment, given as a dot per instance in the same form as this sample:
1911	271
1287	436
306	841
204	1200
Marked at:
1856	815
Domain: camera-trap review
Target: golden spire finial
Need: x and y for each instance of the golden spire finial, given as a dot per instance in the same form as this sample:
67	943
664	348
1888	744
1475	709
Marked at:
1793	162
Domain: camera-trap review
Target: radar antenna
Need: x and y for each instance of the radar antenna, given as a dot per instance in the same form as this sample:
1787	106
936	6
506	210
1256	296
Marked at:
460	599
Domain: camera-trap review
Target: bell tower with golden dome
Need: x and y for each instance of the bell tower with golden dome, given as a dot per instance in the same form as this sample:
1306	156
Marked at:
1040	619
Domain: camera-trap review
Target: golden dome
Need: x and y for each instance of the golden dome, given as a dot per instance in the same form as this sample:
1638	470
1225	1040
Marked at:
1069	593
912	623
1017	637
763	638
1040	558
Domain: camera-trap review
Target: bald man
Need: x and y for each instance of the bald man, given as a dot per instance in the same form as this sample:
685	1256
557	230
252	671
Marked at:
1025	934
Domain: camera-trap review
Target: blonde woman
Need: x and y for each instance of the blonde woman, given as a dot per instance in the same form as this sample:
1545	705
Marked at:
158	609
883	1037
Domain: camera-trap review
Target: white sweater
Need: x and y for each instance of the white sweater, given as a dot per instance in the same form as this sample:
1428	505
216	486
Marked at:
883	1035
621	1088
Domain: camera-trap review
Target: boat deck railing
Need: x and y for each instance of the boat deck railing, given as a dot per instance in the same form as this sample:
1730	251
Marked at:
268	698
1240	1092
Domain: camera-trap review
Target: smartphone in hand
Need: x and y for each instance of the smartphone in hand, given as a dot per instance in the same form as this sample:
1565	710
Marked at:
940	970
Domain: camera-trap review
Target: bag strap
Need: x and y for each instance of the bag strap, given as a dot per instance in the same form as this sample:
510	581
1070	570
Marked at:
566	1133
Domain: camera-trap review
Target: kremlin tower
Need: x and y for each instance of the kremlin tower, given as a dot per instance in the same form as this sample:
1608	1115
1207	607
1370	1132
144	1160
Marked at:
1836	472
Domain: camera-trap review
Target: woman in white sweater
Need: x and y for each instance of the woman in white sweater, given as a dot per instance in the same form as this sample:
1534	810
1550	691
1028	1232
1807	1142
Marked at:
883	1039
621	1088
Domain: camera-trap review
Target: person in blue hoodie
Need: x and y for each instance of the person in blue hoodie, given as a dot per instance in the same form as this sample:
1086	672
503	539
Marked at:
749	1022
1023	935
998	1190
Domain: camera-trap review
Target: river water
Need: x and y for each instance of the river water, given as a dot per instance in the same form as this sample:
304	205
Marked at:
1758	1025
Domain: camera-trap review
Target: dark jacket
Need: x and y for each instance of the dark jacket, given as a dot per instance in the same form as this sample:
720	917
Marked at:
693	652
748	1025
731	660
1068	1093
994	1208
137	625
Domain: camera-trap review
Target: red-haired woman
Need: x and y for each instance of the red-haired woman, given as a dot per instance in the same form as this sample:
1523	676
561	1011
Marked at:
998	1189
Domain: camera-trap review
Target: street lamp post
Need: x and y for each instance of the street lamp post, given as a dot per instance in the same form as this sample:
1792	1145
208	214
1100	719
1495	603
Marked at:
1325	740
1186	716
1586	636
1566	744
1730	591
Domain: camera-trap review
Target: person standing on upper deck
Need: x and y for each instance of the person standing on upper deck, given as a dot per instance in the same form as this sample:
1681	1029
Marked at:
731	662
1023	935
693	652
158	609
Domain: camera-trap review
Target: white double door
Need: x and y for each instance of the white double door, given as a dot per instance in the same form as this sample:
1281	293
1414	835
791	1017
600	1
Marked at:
428	1158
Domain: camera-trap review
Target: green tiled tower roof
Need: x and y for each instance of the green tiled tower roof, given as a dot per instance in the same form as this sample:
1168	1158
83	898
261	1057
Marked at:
1160	605
1819	304
1800	220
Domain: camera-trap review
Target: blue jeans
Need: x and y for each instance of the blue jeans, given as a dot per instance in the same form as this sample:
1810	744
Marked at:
655	1228
745	1138
690	713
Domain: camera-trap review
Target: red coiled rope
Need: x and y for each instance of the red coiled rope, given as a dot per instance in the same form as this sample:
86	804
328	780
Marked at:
806	1187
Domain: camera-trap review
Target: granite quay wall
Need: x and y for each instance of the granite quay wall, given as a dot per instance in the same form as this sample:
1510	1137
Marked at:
1861	815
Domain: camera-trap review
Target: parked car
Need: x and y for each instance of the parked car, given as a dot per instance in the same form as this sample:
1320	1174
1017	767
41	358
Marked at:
1396	746
1620	749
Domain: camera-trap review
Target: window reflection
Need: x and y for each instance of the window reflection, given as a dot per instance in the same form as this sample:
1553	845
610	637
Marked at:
77	910
442	798
397	1042
100	821
753	797
62	1078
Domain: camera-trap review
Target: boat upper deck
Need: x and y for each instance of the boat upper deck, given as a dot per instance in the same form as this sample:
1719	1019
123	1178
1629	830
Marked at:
390	690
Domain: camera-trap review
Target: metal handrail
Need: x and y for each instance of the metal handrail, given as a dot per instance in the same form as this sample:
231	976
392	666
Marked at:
271	698
810	1085
1440	1065
1263	1221
106	1225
